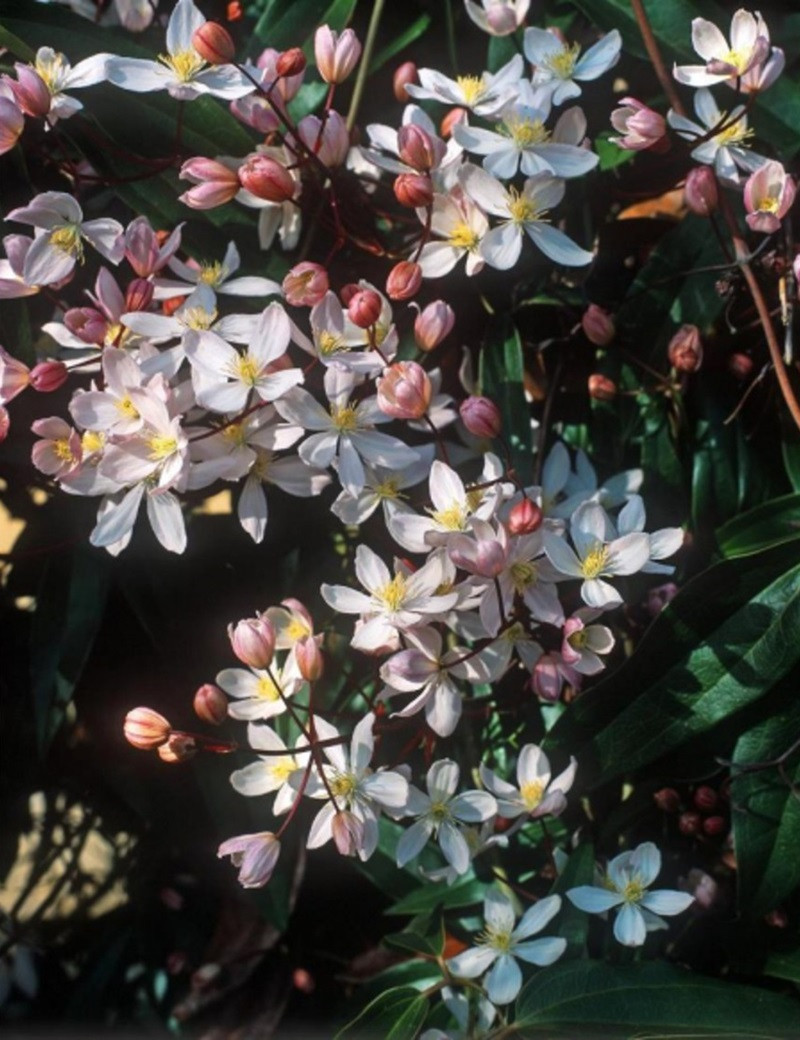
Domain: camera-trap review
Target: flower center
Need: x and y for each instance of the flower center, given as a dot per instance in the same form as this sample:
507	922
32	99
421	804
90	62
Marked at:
185	64
454	518
329	343
523	574
266	690
247	369
521	208
67	238
212	274
562	64
738	60
514	632
525	132
736	133
63	450
463	237
343	785
260	467
345	419
532	792
388	488
393	593
197	318
235	433
161	447
578	639
282	769
472	88
497	938
769	204
633	891
296	629
594	562
439	812
126	408
92	441
52	71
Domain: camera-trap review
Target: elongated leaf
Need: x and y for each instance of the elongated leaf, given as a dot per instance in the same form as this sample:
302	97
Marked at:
784	965
573	924
769	524
766	816
651	1000
292	23
427	898
718	647
412	33
501	377
396	1014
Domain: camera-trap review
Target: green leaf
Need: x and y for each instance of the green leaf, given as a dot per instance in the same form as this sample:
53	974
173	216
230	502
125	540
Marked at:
412	942
413	32
769	524
651	1000
430	896
717	648
766	816
784	965
396	1014
502	370
573	924
292	22
611	155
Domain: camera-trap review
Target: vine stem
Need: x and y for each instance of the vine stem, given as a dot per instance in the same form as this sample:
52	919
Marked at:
653	53
366	57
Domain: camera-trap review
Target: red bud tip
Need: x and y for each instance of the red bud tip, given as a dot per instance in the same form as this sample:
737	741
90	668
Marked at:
146	729
524	518
291	62
214	44
211	704
364	308
404	74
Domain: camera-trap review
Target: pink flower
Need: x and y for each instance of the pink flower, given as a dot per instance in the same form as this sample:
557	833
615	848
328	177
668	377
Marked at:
768	196
433	324
14	377
336	54
306	284
404	391
59	452
640	126
253	641
328	139
216	184
255	855
12	122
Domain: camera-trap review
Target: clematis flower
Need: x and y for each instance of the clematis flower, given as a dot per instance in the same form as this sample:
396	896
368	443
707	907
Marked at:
256	692
459	226
40	89
255	855
485	95
501	944
625	885
641	127
768	197
58	453
15	376
181	71
725	150
583	643
58	245
271	772
12	281
498	17
558	66
383	487
524	210
439	811
663	543
748	63
535	794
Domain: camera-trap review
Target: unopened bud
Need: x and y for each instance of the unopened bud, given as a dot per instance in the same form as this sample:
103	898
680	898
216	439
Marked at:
690	823
5	423
740	366
703	887
404	74
700	192
253	641
266	179
547	680
306	284
210	704
213	43
685	350
776	919
433	324
364	308
180	747
48	376
347	292
303	980
453	118
418	149
705	798
404	391
601	388
404	280
525	518
414	190
481	417
139	295
291	62
659	597
348	833
667	799
310	661
88	324
713	826
598	325
336	54
146	729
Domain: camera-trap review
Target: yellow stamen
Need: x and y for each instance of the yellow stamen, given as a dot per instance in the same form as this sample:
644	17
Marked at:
63	450
67	238
266	690
594	562
736	133
563	63
342	785
345	419
198	318
497	938
472	88
737	59
161	447
769	204
329	343
388	489
521	208
52	71
247	369
92	441
523	575
532	793
463	237
296	629
185	64
393	593
633	891
212	274
454	518
578	639
127	408
283	769
525	132
235	433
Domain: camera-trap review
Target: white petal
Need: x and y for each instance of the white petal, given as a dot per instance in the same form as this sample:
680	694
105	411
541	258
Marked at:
665	901
593	900
504	981
629	926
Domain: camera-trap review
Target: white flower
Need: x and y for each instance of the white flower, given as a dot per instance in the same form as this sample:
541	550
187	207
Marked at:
747	63
58	245
663	543
257	692
498	17
625	885
355	787
558	65
485	95
460	226
217	275
439	812
181	71
724	150
535	794
59	76
383	487
597	555
583	643
273	771
524	210
501	944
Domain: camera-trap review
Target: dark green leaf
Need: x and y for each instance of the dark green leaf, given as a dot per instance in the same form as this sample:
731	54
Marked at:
784	965
501	378
573	924
413	32
769	524
426	946
292	22
651	999
396	1014
430	896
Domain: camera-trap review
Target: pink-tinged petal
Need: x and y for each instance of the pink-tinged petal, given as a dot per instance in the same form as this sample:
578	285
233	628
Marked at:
708	40
252	509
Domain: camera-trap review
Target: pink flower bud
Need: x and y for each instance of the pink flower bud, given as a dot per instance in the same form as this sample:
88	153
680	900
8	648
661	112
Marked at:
659	597
453	118
87	324
348	833
146	729
291	63
336	54
547	679
667	799
433	324
215	183
138	295
690	823
310	661
403	75
255	855
12	123
525	517
404	390
214	44
306	284
328	139
418	149
210	704
501	20
740	366
5	423
179	747
364	307
485	556
347	292
48	376
700	191
598	325
703	887
14	377
705	798
404	280
266	179
481	417
256	112
601	388
640	126
30	91
768	196
414	190
253	641
685	350
143	249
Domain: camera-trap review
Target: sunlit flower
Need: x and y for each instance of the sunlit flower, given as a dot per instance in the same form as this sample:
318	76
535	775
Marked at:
748	63
535	794
768	197
559	66
498	17
726	149
485	95
255	855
